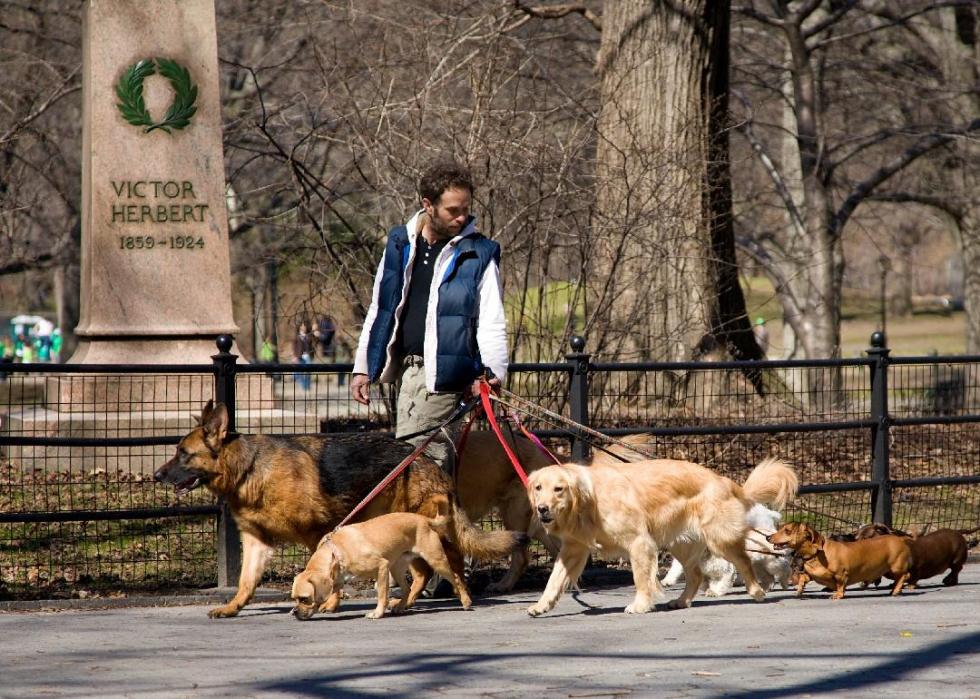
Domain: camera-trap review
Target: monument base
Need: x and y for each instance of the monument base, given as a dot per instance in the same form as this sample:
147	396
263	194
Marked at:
163	350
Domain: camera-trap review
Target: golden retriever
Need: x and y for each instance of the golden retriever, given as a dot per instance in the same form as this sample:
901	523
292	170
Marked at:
486	481
372	549
634	509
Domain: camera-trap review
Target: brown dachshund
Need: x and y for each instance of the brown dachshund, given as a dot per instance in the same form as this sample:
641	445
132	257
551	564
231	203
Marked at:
870	531
838	564
933	553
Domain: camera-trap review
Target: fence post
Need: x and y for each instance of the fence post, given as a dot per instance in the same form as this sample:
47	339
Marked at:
229	540
881	502
578	394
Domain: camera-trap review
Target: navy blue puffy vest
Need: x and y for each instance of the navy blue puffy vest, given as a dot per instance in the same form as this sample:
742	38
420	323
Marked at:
458	361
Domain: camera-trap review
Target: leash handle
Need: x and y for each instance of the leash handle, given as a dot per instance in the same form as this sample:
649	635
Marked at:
491	418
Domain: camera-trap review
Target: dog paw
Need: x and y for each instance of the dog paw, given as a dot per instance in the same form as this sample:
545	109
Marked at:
537	609
397	606
678	604
374	614
638	608
224	612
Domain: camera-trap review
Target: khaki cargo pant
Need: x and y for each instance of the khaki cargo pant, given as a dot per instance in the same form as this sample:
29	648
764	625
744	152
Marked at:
419	410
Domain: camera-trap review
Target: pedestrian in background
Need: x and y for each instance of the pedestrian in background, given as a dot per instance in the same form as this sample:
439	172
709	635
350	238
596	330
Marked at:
303	352
325	332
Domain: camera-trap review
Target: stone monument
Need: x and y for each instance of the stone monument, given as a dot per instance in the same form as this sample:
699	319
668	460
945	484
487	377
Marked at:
155	285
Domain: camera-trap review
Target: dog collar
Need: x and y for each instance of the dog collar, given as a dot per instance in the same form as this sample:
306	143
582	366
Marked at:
338	554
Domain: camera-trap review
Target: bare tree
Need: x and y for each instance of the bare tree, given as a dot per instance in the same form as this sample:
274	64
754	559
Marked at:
945	47
40	113
829	113
661	266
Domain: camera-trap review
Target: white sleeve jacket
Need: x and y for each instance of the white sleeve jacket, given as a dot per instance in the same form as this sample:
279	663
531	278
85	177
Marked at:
465	324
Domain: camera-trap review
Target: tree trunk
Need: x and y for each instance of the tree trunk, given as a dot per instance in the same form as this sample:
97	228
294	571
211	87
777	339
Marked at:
960	48
663	270
67	289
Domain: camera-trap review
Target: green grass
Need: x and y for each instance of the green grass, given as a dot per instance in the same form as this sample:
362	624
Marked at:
546	308
920	334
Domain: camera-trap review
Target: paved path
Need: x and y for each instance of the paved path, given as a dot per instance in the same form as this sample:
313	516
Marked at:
924	644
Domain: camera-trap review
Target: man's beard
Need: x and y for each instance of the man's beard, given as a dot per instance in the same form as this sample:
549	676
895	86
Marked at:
440	229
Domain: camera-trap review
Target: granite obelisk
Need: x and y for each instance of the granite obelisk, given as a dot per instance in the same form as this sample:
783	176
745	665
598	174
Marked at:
155	260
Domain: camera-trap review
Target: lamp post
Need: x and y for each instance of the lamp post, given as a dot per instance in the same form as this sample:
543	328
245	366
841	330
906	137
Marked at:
884	265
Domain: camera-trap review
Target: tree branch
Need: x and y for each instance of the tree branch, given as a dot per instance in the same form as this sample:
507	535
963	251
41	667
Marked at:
864	188
559	11
63	89
943	205
752	13
887	19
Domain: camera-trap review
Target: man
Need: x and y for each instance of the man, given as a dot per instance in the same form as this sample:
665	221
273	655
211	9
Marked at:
436	323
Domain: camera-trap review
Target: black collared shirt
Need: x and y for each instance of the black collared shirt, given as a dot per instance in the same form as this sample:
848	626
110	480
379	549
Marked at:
412	327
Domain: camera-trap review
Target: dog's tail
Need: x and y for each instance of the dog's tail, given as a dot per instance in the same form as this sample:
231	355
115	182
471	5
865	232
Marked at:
773	483
481	544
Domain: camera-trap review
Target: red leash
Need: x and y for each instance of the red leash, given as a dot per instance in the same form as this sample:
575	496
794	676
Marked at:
516	419
395	472
491	418
488	409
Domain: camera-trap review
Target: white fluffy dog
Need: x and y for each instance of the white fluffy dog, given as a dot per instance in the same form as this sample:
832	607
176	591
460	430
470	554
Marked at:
720	575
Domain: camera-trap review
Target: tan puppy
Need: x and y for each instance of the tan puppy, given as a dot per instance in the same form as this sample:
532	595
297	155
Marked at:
373	549
837	564
632	510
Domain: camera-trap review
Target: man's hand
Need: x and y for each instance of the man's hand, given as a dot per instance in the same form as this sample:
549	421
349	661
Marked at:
475	387
360	388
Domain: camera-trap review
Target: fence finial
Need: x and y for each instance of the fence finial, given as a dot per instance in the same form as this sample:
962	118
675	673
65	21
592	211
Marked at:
577	342
878	339
224	343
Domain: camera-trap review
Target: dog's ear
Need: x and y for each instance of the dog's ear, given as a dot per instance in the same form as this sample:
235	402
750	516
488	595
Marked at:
205	413
216	425
584	504
324	578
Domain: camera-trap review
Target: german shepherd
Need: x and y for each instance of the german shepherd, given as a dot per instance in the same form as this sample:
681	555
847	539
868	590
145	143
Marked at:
296	489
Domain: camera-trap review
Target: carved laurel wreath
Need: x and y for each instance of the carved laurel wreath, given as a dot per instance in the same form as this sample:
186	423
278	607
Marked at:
129	90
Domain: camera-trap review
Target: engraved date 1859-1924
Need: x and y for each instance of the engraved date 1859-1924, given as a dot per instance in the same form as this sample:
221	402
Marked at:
172	242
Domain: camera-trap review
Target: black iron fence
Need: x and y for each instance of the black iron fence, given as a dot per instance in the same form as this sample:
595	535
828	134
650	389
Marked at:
873	438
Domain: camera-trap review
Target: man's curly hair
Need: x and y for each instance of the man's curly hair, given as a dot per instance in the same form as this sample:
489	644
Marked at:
443	175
